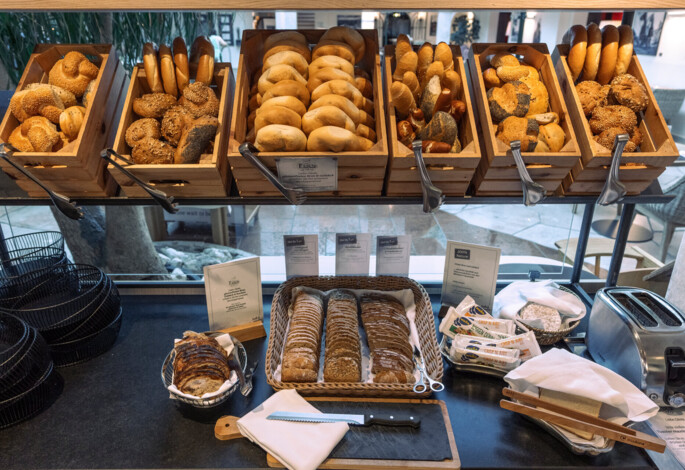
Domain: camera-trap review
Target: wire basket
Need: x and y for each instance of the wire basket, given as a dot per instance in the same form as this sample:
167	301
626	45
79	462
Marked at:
30	252
27	368
14	333
33	401
168	376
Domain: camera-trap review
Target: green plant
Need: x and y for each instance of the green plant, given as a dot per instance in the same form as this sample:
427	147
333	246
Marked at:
464	31
126	31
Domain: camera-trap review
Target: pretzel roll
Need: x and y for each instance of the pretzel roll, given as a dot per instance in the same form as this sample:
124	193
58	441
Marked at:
290	58
202	56
276	74
291	46
452	81
166	66
289	102
402	47
339	49
288	88
280	138
366	132
339	102
577	50
326	75
336	139
407	63
609	56
181	63
435	69
284	37
402	98
365	86
326	116
625	49
350	37
277	115
425	59
152	68
331	61
443	53
411	80
592	52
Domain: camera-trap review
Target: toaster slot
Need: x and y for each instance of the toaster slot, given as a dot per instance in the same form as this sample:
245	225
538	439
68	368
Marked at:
634	309
666	316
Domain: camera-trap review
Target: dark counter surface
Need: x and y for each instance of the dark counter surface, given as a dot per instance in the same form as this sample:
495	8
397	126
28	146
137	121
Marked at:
115	413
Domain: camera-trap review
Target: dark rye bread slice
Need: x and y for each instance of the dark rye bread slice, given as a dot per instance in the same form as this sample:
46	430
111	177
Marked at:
342	369
303	342
342	356
200	364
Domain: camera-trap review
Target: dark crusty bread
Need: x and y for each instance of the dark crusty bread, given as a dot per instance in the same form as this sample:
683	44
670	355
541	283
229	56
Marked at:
200	365
303	343
342	360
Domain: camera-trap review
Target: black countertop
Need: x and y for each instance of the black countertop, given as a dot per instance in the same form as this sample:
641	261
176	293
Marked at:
114	411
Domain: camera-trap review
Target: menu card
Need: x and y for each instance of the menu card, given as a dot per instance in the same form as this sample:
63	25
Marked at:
470	270
301	255
392	255
234	293
309	174
669	425
352	254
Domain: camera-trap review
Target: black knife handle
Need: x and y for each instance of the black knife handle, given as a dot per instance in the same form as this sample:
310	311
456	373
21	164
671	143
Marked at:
394	419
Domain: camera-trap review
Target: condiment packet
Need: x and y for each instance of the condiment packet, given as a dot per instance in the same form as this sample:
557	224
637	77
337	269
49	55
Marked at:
526	343
470	319
473	344
479	357
468	326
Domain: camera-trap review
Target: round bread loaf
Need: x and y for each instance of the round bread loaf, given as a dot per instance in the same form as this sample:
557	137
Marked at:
491	79
625	49
342	103
332	61
288	88
168	71
327	74
592	52
336	139
290	58
277	115
340	49
504	59
291	46
511	99
609	56
350	37
280	138
181	63
151	67
326	116
289	102
577	50
276	74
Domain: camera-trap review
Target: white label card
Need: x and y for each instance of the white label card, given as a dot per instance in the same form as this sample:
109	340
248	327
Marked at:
470	270
301	255
392	255
309	174
352	254
669	425
234	293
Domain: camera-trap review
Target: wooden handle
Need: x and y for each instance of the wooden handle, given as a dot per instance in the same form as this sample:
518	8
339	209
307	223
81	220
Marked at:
645	441
226	428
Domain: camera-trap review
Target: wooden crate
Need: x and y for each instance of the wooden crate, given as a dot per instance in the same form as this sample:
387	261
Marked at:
359	173
209	178
78	171
451	172
658	150
548	169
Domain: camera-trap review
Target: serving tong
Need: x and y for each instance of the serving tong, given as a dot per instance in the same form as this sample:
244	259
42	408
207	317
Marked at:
432	195
614	190
296	196
420	385
532	191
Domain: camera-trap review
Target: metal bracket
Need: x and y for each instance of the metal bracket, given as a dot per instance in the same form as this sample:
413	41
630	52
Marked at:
532	191
614	190
432	195
296	196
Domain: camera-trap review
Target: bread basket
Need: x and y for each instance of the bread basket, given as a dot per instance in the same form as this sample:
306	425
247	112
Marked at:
546	338
425	324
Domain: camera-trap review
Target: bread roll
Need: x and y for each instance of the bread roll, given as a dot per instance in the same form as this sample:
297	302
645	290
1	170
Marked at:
200	100
365	86
503	59
153	105
412	81
71	120
360	72
343	88
429	97
277	115
366	119
434	69
335	48
593	52
553	136
366	132
326	74
73	73
326	116
625	49
288	88
289	102
151	66
280	138
343	104
277	74
251	118
491	79
254	102
141	129
609	56
452	81
443	53
336	139
284	37
292	46
407	63
425	58
290	58
577	50
35	134
402	98
350	37
402	47
181	63
168	71
202	57
331	61
195	139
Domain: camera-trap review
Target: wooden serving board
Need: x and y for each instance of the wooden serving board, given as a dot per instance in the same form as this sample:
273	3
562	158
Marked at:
430	446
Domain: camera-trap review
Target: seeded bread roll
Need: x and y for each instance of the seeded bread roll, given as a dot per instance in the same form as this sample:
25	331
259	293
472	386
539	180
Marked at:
303	342
327	74
326	116
280	138
336	139
277	115
609	56
592	52
290	58
195	139
577	50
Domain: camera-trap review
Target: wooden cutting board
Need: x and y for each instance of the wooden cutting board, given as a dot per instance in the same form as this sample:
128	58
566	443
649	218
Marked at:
430	446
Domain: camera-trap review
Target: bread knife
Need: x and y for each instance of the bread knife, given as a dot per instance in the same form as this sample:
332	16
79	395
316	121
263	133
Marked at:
355	420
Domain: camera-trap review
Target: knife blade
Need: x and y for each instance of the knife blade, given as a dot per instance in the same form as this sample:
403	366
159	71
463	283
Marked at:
356	420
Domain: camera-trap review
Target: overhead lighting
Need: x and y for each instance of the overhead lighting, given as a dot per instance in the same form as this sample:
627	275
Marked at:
470	16
396	15
421	15
530	15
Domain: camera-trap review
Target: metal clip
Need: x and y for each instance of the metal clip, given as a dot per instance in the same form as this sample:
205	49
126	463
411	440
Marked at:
532	191
614	190
432	195
296	196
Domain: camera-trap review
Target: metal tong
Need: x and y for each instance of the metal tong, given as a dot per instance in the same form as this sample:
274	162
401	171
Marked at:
614	190
420	385
65	205
432	195
296	196
532	191
167	202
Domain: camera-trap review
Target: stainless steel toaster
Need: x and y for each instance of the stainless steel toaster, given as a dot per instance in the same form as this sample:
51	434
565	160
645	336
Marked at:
641	337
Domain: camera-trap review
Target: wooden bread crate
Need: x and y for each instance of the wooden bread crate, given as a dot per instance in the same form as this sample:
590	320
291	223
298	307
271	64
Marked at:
638	169
359	173
210	177
547	169
77	171
451	172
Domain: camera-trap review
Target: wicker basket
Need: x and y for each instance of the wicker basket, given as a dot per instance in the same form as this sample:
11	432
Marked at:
425	324
544	337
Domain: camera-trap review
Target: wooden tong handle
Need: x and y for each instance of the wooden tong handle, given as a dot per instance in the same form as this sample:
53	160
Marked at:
227	429
645	441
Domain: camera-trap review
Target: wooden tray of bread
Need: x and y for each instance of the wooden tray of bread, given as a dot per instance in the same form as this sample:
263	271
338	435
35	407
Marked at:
651	148
77	113
338	339
178	170
449	170
359	172
517	95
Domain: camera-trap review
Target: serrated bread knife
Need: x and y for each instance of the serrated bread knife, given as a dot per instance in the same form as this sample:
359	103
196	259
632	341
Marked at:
356	420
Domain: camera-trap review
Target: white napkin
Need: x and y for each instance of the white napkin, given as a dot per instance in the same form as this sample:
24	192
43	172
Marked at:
562	371
298	446
512	298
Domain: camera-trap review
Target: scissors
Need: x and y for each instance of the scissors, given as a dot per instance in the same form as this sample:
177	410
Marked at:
420	385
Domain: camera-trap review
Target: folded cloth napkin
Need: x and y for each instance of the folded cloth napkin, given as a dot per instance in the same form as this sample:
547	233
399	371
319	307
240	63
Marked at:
562	371
298	446
512	298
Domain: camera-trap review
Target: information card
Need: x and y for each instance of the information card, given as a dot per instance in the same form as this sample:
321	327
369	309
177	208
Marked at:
392	255
352	254
301	255
234	293
669	425
470	270
309	174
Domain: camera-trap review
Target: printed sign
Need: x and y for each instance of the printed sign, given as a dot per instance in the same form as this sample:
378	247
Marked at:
470	270
352	254
392	255
309	174
301	255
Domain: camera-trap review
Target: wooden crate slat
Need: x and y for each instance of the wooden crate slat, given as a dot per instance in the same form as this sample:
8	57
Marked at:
404	188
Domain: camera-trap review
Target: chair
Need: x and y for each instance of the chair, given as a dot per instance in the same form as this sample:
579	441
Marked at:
672	215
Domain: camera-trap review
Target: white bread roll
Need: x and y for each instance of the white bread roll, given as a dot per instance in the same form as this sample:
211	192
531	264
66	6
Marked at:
288	88
343	88
291	58
592	52
339	102
289	102
277	74
335	48
326	116
577	50
331	61
327	74
277	115
336	139
280	138
609	56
